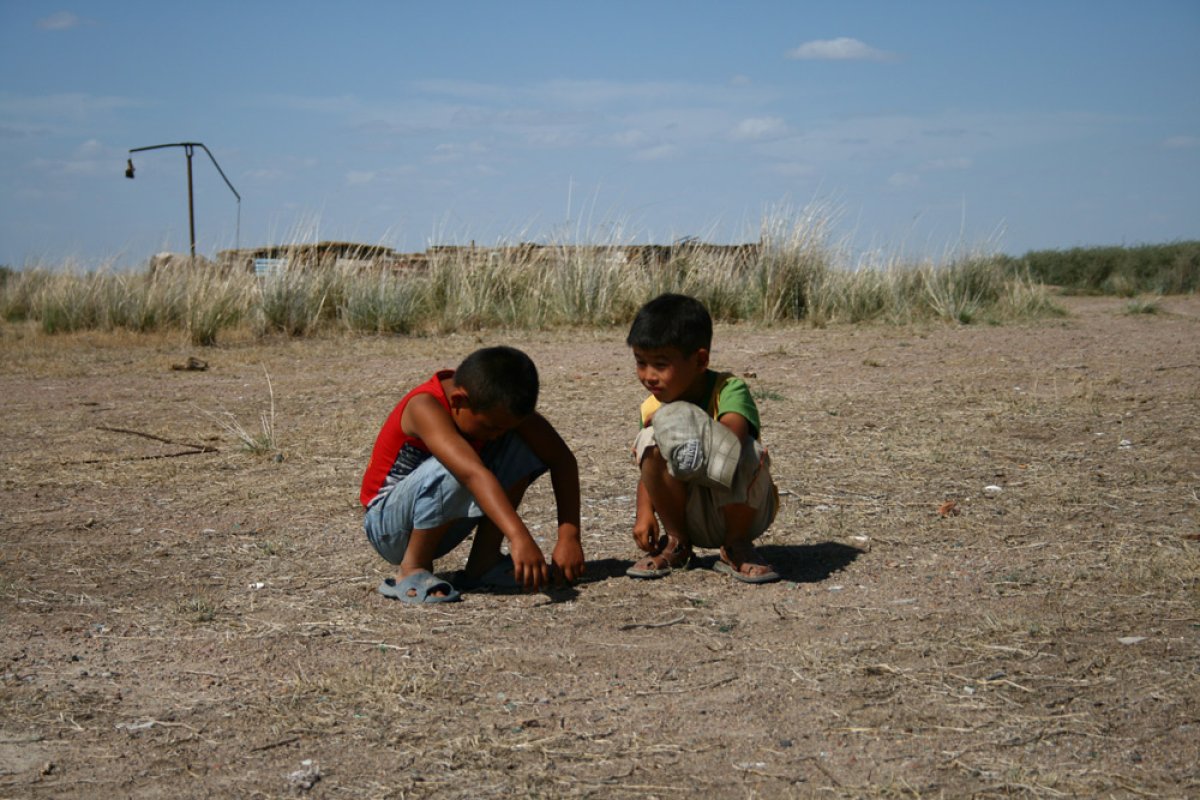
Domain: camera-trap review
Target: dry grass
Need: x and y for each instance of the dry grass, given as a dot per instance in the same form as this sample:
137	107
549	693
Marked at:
797	273
262	440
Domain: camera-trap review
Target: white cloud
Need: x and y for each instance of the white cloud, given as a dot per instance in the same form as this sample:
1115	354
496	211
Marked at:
89	149
562	95
89	158
59	21
841	49
1181	142
659	153
759	128
917	144
21	131
388	175
449	152
318	104
903	180
265	175
588	94
941	164
629	138
794	169
67	105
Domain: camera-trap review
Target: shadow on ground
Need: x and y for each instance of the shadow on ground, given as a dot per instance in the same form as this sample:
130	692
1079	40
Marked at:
806	563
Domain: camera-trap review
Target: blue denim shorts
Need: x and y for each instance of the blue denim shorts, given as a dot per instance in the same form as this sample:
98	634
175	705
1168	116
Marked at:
430	497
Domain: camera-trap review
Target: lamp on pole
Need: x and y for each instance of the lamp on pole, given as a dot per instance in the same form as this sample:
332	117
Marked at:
188	149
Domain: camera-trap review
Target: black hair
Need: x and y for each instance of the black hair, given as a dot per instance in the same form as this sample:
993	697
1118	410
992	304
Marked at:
672	320
499	377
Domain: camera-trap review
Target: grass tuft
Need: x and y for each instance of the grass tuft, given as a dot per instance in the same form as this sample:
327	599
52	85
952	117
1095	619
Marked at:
1143	305
261	441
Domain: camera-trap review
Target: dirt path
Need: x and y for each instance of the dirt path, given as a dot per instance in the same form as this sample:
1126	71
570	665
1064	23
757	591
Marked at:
179	623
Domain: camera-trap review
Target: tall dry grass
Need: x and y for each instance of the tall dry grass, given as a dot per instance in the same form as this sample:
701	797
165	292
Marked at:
797	273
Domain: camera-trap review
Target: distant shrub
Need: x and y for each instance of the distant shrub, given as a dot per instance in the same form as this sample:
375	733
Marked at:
1122	271
297	302
386	303
1143	305
17	294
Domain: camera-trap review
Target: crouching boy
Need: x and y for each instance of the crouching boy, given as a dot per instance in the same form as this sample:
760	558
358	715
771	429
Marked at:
703	472
457	453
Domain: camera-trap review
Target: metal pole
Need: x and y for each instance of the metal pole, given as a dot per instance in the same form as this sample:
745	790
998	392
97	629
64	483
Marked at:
189	148
191	207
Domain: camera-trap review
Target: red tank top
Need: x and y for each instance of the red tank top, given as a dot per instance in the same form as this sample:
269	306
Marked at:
396	454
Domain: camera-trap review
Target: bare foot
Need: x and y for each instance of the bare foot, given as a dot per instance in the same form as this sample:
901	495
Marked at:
401	574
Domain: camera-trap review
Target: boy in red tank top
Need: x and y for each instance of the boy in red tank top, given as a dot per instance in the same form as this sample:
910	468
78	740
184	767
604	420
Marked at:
457	453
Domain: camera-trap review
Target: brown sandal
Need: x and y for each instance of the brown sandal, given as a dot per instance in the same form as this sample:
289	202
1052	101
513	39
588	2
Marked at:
766	575
659	565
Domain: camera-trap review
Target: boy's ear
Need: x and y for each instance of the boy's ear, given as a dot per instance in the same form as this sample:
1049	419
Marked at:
458	398
701	357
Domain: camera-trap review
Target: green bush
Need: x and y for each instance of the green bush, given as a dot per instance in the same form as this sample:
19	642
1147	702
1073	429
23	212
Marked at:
388	303
1123	271
295	302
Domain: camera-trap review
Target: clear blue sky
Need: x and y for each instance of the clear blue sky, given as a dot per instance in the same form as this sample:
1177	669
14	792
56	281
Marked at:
917	127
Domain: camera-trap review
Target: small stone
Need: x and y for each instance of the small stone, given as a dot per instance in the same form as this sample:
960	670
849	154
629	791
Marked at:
307	776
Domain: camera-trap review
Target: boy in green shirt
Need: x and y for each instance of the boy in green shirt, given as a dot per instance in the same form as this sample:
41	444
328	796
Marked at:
703	470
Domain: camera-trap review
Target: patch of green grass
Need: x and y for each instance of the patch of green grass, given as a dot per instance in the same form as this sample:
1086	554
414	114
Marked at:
1143	305
196	608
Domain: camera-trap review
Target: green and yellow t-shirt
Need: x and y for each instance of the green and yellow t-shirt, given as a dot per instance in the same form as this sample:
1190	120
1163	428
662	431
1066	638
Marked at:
726	394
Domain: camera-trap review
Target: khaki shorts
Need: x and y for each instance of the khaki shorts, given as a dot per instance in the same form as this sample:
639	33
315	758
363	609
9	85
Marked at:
752	486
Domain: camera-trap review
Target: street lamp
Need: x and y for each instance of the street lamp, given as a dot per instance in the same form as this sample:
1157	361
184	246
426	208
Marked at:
189	148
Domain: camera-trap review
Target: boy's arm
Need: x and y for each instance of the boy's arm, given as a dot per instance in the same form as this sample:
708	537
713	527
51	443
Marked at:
645	524
425	418
547	445
736	423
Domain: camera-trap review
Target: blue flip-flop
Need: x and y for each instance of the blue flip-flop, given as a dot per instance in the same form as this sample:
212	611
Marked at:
499	577
422	583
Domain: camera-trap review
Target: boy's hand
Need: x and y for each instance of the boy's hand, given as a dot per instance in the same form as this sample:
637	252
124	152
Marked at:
529	565
567	560
645	533
547	445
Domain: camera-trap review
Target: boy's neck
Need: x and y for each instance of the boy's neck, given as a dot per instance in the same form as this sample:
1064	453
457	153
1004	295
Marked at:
697	393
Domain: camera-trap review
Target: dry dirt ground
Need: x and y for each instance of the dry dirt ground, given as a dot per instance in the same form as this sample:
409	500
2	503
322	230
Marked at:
181	618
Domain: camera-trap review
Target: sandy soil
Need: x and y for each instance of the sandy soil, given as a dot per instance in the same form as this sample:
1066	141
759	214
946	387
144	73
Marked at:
180	617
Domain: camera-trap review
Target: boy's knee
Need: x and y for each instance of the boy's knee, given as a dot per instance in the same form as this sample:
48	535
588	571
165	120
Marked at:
696	447
653	464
